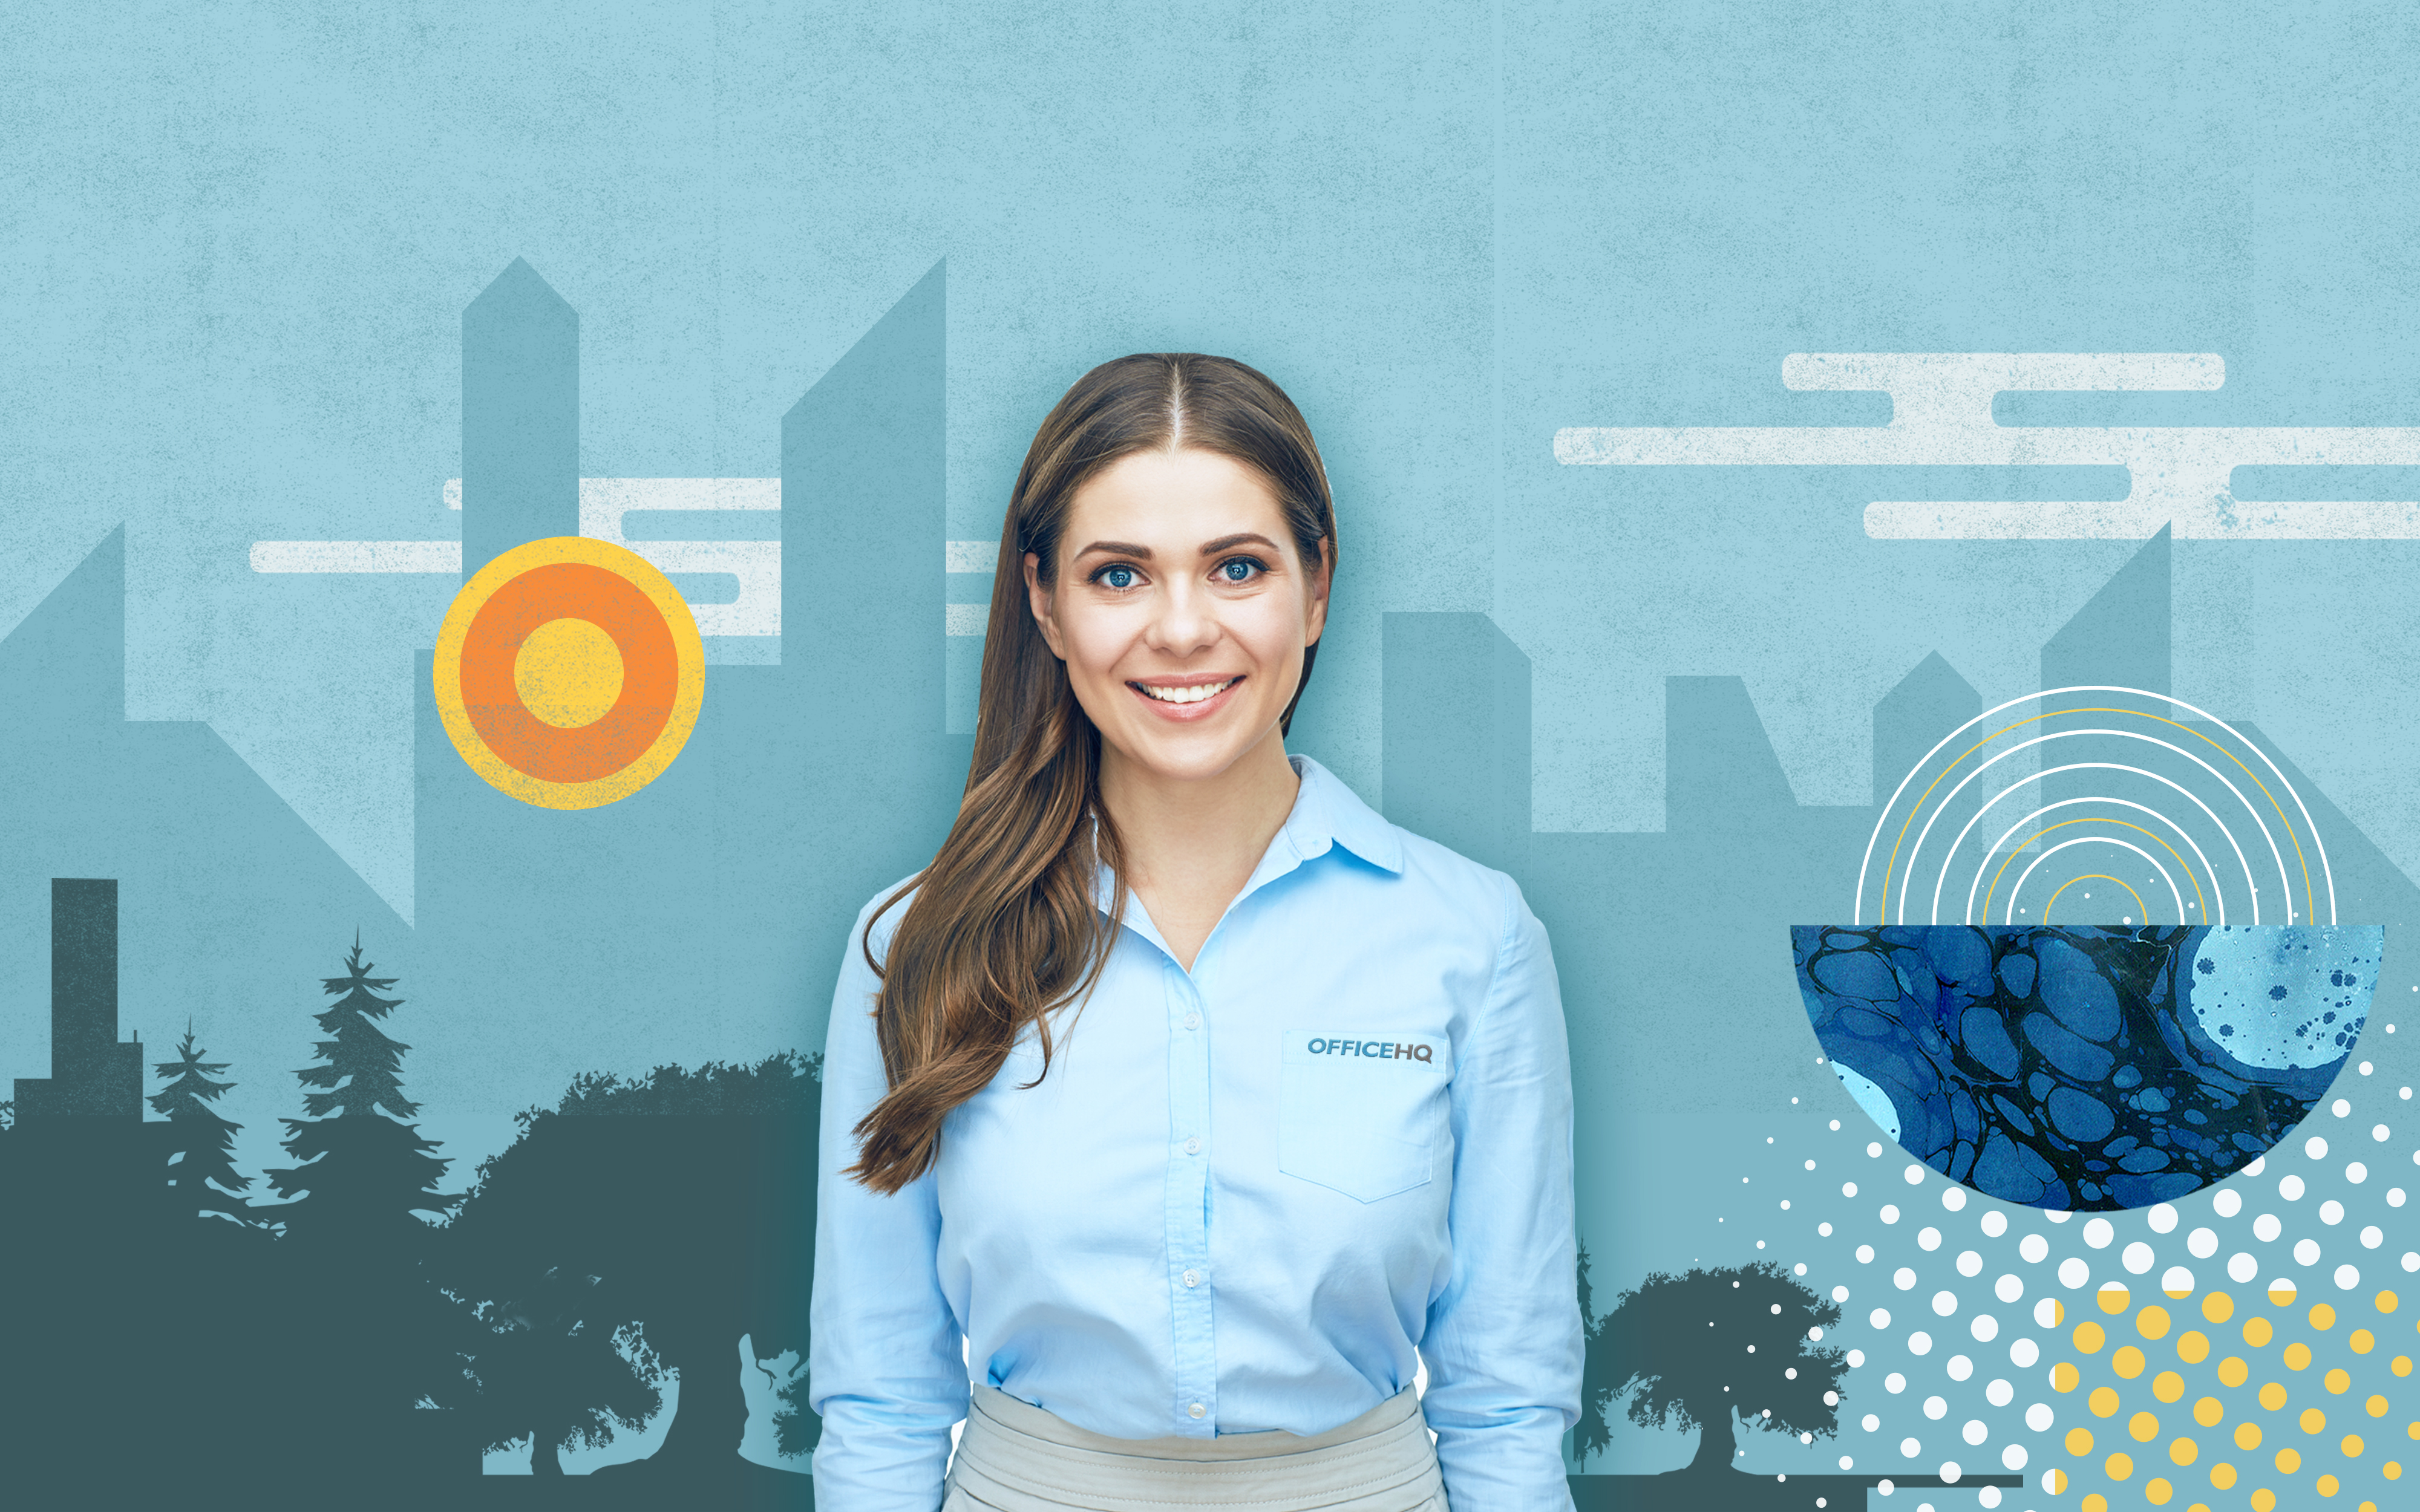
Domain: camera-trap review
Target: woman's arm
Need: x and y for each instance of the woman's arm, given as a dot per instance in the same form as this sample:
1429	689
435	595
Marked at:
884	1361
1504	1341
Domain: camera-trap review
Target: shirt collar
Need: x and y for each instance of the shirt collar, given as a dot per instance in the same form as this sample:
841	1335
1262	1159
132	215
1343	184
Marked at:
1325	813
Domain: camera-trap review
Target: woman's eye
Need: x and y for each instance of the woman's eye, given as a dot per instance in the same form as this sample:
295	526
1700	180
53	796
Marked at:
1238	569
1118	575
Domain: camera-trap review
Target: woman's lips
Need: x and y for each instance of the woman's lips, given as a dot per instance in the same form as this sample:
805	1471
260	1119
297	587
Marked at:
1191	706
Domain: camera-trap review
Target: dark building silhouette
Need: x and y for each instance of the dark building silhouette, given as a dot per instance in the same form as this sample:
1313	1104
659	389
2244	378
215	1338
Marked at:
93	1073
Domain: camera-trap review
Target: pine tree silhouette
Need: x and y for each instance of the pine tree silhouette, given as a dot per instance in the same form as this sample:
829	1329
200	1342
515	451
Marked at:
361	1171
201	1160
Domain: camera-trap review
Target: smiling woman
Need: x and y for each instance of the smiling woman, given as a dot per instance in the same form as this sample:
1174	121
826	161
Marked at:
1196	1254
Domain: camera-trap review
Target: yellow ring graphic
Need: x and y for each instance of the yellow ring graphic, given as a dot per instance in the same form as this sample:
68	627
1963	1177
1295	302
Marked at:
652	712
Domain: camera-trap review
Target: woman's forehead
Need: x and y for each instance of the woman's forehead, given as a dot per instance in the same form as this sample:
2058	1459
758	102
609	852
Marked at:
1173	501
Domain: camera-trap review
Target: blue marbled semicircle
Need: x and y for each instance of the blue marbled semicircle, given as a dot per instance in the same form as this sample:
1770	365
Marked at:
2088	1068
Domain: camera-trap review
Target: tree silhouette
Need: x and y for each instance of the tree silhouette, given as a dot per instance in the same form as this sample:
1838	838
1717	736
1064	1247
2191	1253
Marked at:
360	1172
1598	1382
201	1160
546	1370
1706	1350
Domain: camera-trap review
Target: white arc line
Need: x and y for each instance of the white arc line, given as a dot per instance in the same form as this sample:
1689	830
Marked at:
2182	834
2093	840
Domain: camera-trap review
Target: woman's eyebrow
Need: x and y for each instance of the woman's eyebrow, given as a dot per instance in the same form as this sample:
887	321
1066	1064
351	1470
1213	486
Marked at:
1119	548
1239	538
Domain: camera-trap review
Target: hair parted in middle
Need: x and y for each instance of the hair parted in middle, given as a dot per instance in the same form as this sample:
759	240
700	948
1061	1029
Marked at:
1002	928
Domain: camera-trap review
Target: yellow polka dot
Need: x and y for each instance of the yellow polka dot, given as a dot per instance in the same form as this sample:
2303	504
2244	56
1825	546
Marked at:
2361	1340
2152	1322
2322	1317
2057	1313
2184	1451
2158	1491
2327	1485
2102	1401
2314	1421
2127	1363
2222	1475
2144	1427
2403	1366
2210	1411
2273	1396
2193	1348
2257	1331
2063	1376
2352	1447
2232	1371
2289	1461
2392	1470
2377	1406
2096	1502
2386	1302
2338	1381
2247	1436
2088	1338
2296	1355
2169	1386
2119	1466
2079	1441
2218	1307
2264	1500
2281	1293
2114	1299
2058	1483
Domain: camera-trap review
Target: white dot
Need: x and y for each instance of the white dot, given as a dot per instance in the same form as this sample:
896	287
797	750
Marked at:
1949	1472
2163	1218
2365	1068
2046	1313
1954	1198
1839	1293
1904	1278
1995	1223
2316	1148
1999	1393
1871	1422
1893	1383
2241	1268
2201	1243
1874	1149
1777	1309
2340	1107
1846	1462
2372	1236
1919	1342
1831	1398
2022	1354
2011	1288
2380	1132
2013	1456
1974	1432
1856	1358
1886	1486
2347	1278
1915	1175
2074	1272
1910	1447
2255	1165
1890	1212
1927	1238
1848	1189
2356	1173
2306	1251
1865	1254
1785	1204
2033	1248
1835	1123
2176	1281
2291	1189
2038	1417
1944	1302
1811	1165
2332	1211
1970	1263
1800	1268
2056	1215
2137	1258
2395	1196
1879	1318
1824	1230
2266	1228
1985	1328
1958	1366
2410	1260
2228	1203
1935	1409
2098	1233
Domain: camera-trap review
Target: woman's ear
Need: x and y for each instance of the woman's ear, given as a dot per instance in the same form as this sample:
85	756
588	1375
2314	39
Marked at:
1318	580
1037	598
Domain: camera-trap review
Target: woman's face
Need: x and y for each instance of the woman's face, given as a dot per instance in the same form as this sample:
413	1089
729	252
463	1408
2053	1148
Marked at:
1182	610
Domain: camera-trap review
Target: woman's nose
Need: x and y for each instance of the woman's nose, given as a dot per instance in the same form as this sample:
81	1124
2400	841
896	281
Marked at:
1186	622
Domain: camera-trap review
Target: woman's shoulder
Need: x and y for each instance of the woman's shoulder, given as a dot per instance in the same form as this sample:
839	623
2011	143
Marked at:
1463	883
876	922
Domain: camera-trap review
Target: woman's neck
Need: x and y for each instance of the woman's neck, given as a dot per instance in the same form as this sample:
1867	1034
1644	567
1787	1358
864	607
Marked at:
1191	844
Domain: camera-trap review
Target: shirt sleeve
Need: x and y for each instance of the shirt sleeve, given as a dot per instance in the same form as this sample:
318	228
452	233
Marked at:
1504	1341
884	1361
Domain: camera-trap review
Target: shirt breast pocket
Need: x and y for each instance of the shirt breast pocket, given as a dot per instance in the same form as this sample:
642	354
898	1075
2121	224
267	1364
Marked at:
1363	1117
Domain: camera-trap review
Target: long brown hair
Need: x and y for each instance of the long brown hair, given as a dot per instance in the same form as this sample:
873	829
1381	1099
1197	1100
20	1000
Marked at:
1002	928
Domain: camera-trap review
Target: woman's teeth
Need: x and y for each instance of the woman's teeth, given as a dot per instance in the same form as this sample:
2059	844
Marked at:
1186	695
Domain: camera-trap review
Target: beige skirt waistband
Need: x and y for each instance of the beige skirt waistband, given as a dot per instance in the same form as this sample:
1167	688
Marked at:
1015	1456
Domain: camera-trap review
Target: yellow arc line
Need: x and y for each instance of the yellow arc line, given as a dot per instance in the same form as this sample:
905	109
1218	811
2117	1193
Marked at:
2038	834
2096	876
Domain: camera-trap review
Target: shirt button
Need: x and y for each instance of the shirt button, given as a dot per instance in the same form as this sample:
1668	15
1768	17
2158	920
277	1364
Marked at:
1192	1278
1194	1411
1193	1020
1193	1146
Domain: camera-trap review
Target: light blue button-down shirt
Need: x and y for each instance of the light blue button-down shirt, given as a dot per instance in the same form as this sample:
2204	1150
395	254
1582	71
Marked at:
1252	1195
